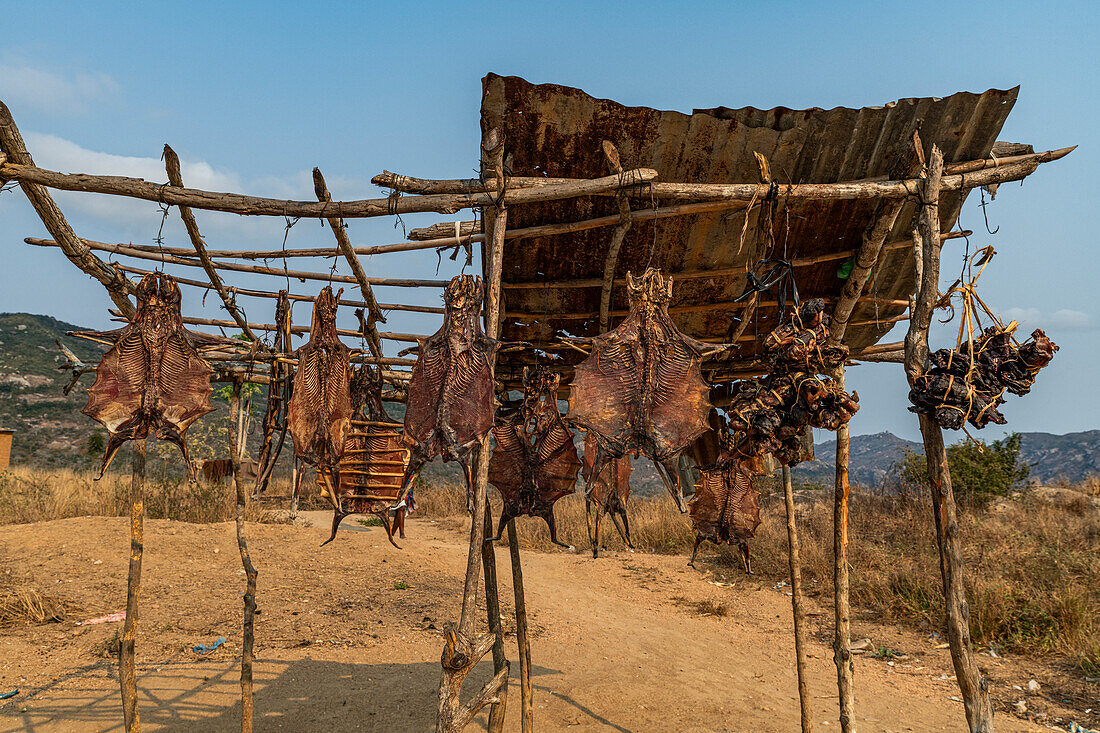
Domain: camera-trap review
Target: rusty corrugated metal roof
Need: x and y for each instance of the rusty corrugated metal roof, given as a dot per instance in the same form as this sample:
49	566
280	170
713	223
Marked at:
553	130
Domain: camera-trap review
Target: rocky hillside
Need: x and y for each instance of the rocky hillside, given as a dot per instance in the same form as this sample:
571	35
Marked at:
48	424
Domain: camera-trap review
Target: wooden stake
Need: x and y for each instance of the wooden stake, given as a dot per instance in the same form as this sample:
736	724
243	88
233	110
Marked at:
523	639
127	672
797	605
175	177
621	229
15	151
973	687
492	611
336	224
246	562
842	639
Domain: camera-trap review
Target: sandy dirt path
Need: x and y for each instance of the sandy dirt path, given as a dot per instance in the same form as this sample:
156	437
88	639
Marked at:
618	643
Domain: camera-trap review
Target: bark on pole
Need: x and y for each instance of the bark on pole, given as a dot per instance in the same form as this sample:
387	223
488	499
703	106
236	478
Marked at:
797	604
842	613
523	639
492	612
127	673
246	561
973	686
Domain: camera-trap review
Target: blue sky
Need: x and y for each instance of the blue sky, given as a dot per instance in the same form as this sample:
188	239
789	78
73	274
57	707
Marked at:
253	95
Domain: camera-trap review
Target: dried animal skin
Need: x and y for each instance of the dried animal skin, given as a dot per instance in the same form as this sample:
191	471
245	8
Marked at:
281	381
641	389
450	394
725	508
319	412
605	493
152	378
534	462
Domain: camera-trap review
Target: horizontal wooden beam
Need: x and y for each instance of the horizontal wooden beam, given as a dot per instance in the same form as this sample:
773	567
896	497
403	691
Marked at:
128	251
595	282
303	298
385	335
235	203
700	308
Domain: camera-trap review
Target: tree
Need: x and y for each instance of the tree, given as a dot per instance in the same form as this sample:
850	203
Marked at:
980	471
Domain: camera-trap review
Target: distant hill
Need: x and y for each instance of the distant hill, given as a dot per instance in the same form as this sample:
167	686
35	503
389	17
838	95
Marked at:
48	424
1071	457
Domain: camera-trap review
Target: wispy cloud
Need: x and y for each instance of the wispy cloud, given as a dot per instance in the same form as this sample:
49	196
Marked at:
1060	320
48	91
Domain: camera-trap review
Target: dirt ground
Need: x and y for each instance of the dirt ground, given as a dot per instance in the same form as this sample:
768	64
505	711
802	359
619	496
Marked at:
349	638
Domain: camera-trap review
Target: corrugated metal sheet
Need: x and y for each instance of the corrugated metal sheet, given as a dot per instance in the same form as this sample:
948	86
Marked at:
553	130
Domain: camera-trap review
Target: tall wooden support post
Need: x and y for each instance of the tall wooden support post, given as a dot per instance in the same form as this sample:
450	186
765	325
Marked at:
127	673
463	648
972	685
842	614
492	612
523	640
248	635
797	604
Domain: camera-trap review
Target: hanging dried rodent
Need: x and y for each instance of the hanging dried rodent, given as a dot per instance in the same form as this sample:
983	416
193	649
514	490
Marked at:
534	462
319	412
450	394
771	413
725	508
605	493
641	388
968	384
152	378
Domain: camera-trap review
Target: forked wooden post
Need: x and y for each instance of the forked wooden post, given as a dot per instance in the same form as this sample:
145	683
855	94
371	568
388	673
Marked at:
127	673
248	635
463	647
523	640
797	607
972	685
842	614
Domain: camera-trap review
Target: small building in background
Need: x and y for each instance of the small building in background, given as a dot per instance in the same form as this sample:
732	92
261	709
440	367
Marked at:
5	447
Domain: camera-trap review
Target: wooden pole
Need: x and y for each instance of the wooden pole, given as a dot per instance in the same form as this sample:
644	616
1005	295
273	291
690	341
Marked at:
246	562
236	203
611	154
336	224
797	605
842	638
973	687
127	673
523	638
175	177
492	612
15	151
463	648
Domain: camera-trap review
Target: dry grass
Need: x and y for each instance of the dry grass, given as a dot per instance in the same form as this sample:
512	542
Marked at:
1033	570
24	606
35	495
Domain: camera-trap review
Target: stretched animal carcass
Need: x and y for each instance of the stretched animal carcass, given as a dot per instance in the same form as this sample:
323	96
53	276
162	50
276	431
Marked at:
450	394
374	459
319	411
152	378
278	394
535	461
725	508
605	493
641	388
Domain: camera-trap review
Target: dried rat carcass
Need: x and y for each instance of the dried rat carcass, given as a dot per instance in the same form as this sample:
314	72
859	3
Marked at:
319	412
280	386
374	458
534	462
152	378
967	384
641	388
725	508
605	493
451	398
